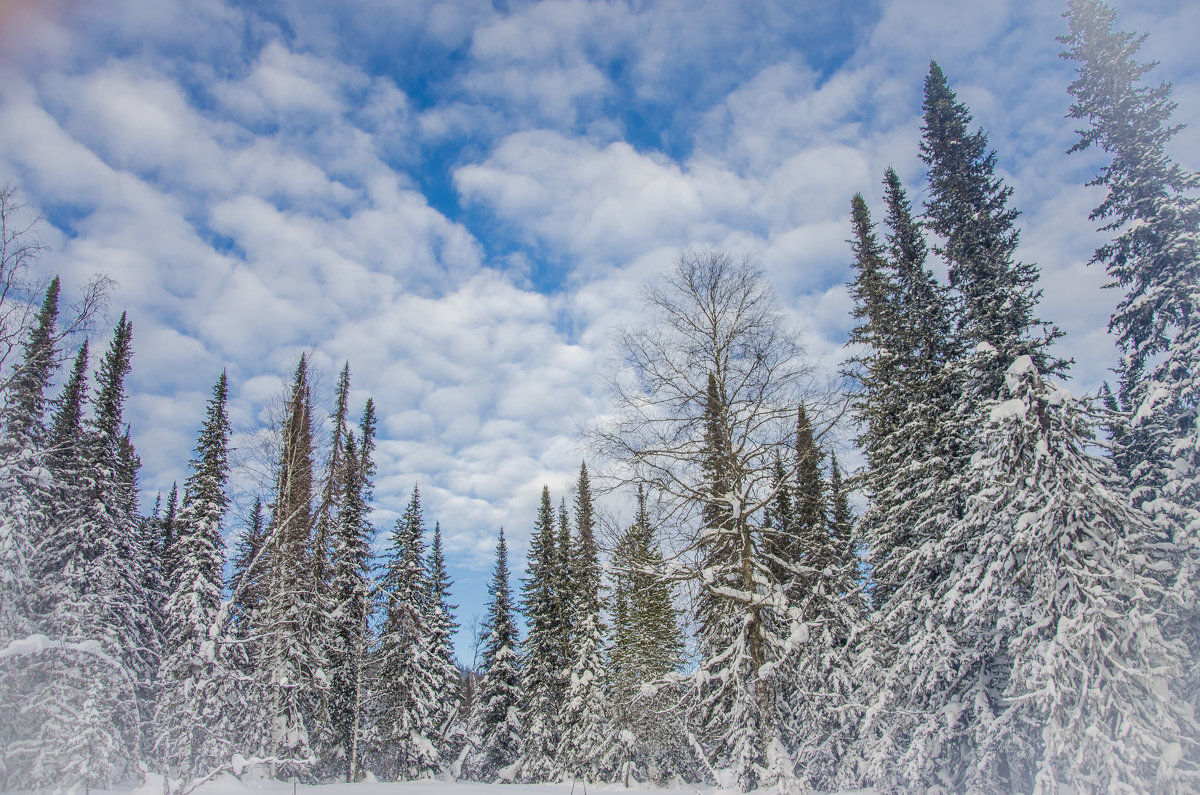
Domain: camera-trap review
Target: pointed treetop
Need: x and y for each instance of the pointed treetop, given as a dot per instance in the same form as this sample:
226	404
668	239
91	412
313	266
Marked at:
211	465
68	416
28	386
110	387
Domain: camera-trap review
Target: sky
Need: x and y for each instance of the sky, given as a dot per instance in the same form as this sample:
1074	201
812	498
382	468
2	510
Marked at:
464	198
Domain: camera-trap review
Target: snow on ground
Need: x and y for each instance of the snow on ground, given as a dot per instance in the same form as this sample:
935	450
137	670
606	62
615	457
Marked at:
228	785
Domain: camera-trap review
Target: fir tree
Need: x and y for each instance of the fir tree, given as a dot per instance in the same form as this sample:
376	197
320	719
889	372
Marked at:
405	667
41	726
442	626
898	405
66	429
91	602
567	592
24	496
1085	703
811	531
351	617
333	486
542	654
841	520
647	647
876	307
24	414
820	684
193	718
495	722
968	208
26	505
588	747
906	663
1152	211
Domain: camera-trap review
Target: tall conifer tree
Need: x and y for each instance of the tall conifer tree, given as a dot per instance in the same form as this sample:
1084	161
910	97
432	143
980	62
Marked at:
968	208
447	679
24	497
91	598
26	505
406	671
543	662
351	588
588	747
1151	209
647	646
495	722
194	725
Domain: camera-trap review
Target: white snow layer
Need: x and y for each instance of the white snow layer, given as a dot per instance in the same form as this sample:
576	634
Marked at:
228	785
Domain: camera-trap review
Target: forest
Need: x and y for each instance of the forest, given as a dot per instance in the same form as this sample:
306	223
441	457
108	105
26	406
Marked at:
1000	598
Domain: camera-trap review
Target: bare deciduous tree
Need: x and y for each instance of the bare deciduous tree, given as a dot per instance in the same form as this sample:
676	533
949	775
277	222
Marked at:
705	399
20	293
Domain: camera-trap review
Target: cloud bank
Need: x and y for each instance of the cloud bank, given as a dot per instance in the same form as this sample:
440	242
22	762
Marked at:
463	200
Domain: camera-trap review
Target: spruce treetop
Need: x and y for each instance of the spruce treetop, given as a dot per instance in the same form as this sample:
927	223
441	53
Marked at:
968	208
25	415
110	393
68	415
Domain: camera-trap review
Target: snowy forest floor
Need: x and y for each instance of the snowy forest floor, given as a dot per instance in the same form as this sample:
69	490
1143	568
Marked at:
231	786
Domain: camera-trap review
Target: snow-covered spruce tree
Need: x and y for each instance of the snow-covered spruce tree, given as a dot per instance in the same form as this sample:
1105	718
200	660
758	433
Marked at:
290	670
405	672
588	747
996	296
705	398
879	402
448	721
924	683
130	608
1051	577
24	487
151	530
796	517
91	604
809	507
734	716
565	586
193	720
244	610
995	301
819	687
495	724
905	331
26	504
904	397
1151	209
351	588
647	646
51	683
543	662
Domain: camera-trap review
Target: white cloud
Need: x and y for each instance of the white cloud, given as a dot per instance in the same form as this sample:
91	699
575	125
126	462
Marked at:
386	182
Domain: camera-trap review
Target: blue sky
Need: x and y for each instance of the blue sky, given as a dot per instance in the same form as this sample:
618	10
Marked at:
463	198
